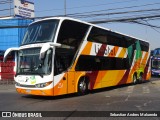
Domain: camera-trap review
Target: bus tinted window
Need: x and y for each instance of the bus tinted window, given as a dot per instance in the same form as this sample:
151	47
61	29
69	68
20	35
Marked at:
144	46
95	63
63	59
108	37
98	35
156	51
71	33
40	32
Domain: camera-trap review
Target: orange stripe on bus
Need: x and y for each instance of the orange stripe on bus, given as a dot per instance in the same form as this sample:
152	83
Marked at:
87	49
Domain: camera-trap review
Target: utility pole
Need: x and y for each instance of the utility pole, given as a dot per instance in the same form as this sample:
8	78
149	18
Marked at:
10	6
65	11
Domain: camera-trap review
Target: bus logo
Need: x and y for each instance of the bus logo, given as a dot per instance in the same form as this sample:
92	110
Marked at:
104	50
27	79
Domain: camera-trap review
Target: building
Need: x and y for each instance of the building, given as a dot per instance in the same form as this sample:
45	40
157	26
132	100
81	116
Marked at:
12	31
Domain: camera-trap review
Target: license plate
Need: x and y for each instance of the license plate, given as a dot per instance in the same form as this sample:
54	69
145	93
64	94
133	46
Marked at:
28	91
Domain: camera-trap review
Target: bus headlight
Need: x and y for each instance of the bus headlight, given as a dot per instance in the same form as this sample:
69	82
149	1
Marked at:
41	85
18	84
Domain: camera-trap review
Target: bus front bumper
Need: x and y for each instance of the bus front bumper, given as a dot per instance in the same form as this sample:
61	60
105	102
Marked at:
47	92
156	72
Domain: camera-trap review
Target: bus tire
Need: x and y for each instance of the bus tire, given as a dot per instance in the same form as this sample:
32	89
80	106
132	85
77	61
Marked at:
141	80
134	79
82	86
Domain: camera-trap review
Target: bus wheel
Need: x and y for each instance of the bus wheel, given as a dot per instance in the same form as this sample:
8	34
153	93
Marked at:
141	78
134	79
82	86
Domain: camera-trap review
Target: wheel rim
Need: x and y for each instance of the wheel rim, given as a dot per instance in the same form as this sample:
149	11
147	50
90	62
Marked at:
82	86
134	79
141	78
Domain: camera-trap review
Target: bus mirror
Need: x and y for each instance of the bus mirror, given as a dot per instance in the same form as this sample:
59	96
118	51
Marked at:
43	51
9	50
46	47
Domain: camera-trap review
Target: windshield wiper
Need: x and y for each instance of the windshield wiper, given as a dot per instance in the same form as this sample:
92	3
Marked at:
41	75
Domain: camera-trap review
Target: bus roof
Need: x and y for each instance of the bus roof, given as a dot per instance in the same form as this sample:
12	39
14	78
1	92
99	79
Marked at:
72	19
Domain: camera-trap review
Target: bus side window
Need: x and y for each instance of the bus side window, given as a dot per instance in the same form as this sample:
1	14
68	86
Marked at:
72	33
62	62
59	65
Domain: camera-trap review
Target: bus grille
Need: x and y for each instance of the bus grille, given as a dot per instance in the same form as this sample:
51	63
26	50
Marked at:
29	86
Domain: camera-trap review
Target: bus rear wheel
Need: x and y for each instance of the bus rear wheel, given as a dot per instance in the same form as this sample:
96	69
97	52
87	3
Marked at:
141	80
134	79
82	86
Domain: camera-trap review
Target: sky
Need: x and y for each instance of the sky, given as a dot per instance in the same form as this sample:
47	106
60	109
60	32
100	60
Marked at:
95	10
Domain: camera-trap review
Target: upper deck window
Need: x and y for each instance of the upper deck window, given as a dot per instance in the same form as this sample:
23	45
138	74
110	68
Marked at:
99	35
72	33
40	32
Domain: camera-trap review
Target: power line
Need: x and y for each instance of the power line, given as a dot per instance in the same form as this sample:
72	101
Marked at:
146	24
125	19
6	9
89	6
152	27
153	19
129	7
114	13
143	5
136	16
126	1
6	2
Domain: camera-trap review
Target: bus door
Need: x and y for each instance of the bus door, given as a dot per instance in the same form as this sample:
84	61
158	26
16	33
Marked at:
62	63
71	82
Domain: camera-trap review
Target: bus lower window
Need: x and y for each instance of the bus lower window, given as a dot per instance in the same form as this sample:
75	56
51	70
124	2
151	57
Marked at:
63	60
95	63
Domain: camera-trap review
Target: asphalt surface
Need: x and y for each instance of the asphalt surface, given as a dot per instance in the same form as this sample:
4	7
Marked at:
130	98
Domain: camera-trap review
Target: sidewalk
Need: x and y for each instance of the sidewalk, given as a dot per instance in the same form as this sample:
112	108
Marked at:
2	82
7	87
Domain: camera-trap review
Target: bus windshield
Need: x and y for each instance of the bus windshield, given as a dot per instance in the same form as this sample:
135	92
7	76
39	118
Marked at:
41	32
156	52
29	63
156	64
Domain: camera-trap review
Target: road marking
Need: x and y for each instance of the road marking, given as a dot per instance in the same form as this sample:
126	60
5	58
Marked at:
127	98
108	96
130	89
139	107
146	89
146	103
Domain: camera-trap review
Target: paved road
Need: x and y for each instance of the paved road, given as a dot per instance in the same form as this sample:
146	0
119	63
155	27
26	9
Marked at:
140	97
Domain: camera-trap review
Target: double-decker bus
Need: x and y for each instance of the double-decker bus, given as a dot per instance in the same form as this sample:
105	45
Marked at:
155	62
62	55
